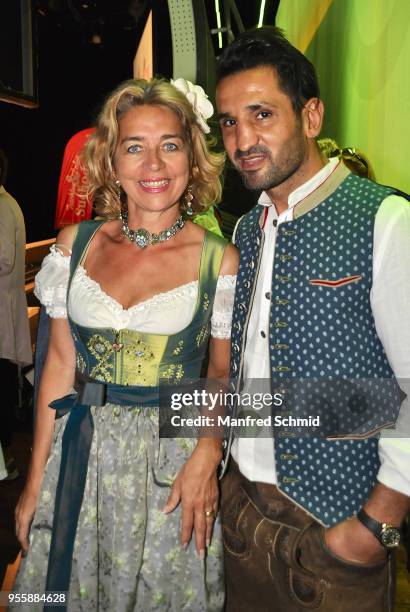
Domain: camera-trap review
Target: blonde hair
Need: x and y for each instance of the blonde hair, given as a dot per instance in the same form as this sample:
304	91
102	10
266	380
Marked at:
353	158
205	165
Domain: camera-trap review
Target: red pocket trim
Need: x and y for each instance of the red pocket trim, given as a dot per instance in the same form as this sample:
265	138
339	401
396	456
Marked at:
335	283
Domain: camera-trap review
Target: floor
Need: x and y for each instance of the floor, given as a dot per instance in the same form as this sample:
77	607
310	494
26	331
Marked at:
9	548
9	494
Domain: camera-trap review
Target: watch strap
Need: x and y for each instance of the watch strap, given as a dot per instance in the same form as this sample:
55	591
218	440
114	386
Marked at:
374	526
388	535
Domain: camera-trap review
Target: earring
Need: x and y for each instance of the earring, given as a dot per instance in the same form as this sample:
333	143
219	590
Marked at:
118	188
188	197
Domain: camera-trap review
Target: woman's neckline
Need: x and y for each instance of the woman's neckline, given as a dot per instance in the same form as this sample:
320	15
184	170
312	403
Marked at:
139	305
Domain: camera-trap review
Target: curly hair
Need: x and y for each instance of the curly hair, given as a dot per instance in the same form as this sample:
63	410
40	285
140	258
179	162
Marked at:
353	158
206	165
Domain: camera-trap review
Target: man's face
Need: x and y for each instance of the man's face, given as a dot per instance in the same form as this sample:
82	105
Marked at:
263	136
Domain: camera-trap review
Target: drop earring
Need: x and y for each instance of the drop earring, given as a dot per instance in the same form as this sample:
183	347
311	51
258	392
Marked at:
188	197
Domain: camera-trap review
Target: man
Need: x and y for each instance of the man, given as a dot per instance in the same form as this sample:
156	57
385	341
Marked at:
15	343
322	291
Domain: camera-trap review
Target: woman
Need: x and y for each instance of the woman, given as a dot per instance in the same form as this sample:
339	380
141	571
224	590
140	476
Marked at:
140	305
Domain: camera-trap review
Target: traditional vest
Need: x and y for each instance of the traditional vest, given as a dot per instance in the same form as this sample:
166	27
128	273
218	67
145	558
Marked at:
321	325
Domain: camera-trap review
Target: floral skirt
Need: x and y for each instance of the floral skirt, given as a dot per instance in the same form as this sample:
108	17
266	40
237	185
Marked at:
127	553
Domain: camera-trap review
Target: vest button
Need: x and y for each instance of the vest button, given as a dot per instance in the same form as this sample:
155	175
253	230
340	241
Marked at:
282	369
282	301
290	480
246	284
288	457
283	279
280	324
285	258
280	347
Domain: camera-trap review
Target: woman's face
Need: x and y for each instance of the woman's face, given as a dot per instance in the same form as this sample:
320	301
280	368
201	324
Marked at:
151	161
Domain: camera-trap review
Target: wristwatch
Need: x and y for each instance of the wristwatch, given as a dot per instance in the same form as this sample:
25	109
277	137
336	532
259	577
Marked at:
387	534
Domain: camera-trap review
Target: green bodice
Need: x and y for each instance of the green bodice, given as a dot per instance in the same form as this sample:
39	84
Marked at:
127	357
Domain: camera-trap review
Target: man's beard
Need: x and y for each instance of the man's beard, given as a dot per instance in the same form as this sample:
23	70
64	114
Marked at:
286	164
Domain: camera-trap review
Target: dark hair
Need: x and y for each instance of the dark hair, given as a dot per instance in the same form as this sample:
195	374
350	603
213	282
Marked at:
3	167
268	46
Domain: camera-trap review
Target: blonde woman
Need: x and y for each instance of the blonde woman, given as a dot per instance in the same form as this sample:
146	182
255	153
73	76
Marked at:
134	300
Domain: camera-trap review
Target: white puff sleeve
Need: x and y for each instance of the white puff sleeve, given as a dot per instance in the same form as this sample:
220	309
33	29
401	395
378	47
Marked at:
51	283
221	320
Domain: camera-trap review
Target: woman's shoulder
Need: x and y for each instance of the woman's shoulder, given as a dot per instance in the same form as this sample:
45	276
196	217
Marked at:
65	238
68	234
230	260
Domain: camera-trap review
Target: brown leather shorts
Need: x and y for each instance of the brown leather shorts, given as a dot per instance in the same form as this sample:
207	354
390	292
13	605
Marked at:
276	558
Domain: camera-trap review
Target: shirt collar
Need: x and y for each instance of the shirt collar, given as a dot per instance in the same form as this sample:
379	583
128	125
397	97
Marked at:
306	188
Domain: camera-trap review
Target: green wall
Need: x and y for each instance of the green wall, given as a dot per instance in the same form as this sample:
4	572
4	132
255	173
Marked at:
361	50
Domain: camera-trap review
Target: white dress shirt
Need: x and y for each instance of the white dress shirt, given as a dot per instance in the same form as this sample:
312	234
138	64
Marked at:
390	303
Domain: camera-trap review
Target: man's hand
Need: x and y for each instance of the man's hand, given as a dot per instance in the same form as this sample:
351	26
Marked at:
352	541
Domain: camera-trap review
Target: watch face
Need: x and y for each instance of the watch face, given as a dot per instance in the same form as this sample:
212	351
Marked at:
390	536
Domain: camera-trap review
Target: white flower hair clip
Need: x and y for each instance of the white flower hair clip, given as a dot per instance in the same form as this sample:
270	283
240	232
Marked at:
199	101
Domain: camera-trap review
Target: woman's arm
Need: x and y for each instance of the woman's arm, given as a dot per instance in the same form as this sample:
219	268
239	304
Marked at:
196	485
56	381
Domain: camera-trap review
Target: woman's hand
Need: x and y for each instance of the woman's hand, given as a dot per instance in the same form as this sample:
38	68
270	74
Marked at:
196	487
24	513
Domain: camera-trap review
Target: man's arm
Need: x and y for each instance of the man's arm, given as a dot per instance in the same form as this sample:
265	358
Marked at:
389	501
390	300
7	238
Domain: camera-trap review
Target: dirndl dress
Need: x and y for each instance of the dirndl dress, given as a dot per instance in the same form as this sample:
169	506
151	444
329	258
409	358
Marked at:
98	532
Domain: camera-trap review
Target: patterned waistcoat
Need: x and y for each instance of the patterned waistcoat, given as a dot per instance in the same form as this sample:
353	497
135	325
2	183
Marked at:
128	357
321	325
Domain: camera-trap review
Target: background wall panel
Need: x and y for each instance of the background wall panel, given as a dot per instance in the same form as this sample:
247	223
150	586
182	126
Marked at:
361	50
